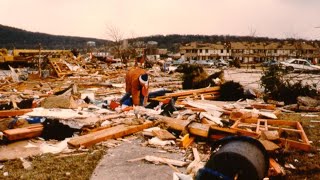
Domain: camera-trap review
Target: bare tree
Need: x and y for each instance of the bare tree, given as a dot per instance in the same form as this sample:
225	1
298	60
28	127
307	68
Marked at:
252	34
115	35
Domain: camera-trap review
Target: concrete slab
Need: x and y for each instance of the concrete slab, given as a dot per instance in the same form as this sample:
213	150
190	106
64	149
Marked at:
114	164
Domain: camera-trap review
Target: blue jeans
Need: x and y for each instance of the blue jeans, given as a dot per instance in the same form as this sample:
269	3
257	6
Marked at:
127	100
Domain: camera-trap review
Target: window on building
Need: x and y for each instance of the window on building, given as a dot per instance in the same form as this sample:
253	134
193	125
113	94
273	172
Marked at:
207	50
200	50
221	51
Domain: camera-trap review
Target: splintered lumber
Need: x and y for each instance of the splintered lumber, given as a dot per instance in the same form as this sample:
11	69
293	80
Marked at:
175	124
165	161
24	133
199	129
196	164
163	134
270	135
275	169
17	112
269	145
186	141
196	154
243	131
110	133
281	126
189	92
264	106
222	129
193	127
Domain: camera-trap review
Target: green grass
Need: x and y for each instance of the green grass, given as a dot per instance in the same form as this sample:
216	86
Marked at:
51	166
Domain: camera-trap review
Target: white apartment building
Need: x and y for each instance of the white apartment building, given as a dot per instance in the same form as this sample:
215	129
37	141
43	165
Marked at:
248	52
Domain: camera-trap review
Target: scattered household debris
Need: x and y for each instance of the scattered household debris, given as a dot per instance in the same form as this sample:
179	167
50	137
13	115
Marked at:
75	110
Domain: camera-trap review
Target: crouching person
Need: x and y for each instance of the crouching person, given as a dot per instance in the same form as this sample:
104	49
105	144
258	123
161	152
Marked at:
137	85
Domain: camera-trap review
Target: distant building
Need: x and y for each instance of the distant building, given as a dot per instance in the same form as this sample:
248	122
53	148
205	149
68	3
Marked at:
152	44
91	44
248	52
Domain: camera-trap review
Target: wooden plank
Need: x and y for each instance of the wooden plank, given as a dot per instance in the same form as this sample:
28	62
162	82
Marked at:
305	145
303	134
269	145
186	141
23	133
17	112
199	129
270	135
264	106
175	124
275	169
295	144
244	132
163	134
222	129
190	92
196	154
110	133
181	125
283	123
165	161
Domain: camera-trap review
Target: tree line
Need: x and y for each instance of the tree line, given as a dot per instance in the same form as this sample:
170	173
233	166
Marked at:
17	38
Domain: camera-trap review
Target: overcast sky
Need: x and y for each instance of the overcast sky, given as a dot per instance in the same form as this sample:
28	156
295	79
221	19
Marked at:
90	18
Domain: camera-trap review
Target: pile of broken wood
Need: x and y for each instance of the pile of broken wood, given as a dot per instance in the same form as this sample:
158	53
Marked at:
199	117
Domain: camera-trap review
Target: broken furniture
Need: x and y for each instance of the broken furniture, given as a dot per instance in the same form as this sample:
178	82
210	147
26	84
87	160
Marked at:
282	126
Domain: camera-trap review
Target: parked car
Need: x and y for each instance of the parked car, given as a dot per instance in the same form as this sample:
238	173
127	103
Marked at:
298	64
205	63
221	63
177	62
270	62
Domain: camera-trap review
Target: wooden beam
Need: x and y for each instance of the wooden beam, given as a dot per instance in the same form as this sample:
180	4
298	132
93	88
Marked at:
110	133
199	129
264	106
163	134
176	124
295	144
23	133
17	112
190	92
222	129
303	134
